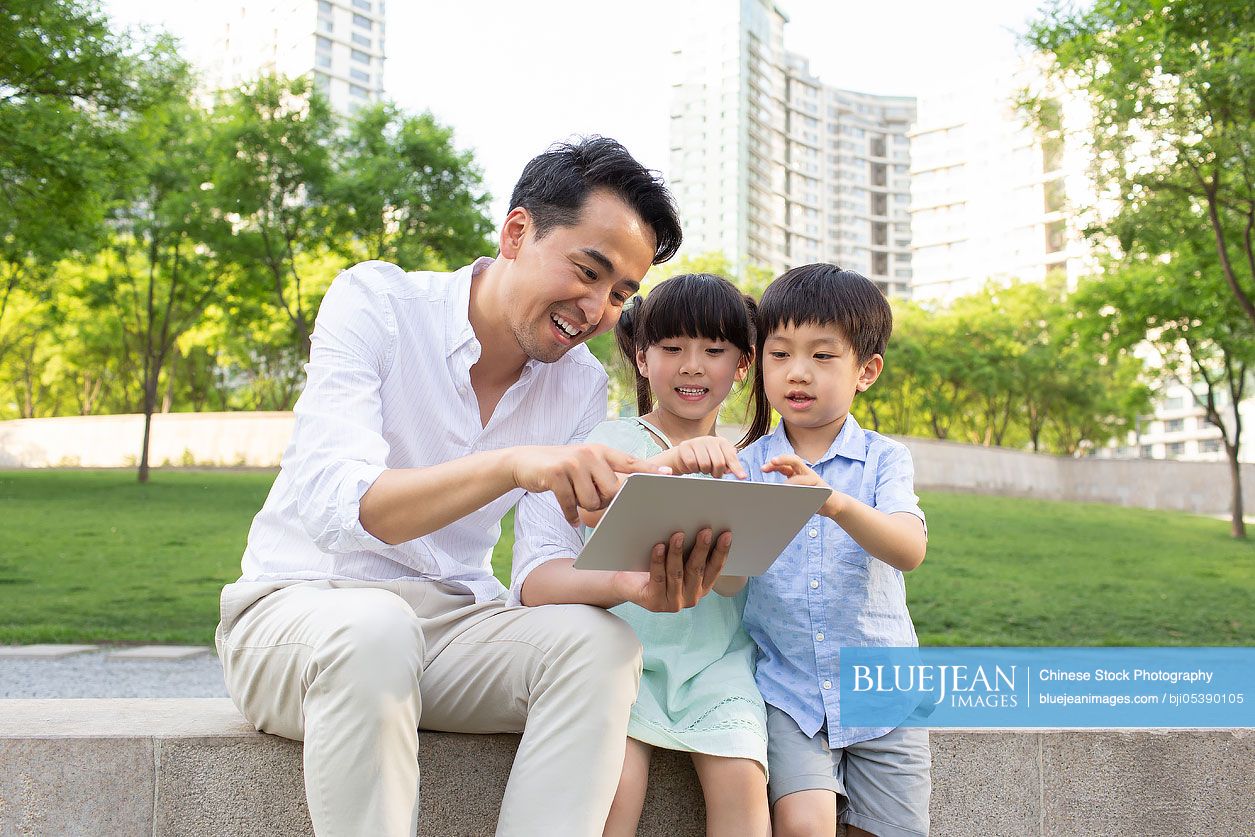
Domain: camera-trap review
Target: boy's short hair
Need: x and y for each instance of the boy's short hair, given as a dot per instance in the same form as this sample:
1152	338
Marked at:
824	294
555	185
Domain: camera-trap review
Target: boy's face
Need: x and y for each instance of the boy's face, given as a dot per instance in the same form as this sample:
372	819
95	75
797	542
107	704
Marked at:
811	374
570	285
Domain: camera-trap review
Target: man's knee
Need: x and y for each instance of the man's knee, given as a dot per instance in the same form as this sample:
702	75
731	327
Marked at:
377	647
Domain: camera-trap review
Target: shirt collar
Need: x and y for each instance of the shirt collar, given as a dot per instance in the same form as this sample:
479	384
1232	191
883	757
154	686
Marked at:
458	331
851	442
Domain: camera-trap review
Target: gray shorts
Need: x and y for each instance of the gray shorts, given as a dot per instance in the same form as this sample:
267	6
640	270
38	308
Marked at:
885	782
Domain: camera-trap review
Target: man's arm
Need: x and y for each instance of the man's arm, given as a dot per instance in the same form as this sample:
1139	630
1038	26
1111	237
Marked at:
407	503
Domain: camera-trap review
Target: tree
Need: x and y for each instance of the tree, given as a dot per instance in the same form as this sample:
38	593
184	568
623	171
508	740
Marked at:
68	87
272	168
161	271
1171	85
402	192
1178	306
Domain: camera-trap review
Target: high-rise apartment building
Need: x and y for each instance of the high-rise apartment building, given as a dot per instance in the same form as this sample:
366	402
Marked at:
993	199
339	42
772	167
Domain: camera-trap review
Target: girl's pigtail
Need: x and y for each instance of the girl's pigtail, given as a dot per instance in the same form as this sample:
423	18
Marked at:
760	407
625	335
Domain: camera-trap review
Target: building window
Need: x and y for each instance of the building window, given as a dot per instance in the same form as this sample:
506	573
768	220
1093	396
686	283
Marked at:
361	40
324	6
1148	452
322	83
363	22
1210	446
361	57
1175	403
325	25
358	91
364	5
323	59
1174	425
1175	450
359	75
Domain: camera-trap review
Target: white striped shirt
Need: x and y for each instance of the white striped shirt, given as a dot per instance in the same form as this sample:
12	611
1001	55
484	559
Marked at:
388	386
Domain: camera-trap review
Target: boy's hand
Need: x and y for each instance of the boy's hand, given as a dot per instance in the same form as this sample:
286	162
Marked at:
675	580
712	455
799	473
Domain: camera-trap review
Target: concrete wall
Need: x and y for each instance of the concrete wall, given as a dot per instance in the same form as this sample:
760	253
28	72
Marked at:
194	767
253	439
1199	487
258	439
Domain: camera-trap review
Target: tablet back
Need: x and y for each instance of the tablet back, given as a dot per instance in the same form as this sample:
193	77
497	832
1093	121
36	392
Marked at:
763	518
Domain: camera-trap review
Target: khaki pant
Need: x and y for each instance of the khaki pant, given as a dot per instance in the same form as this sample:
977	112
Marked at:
353	669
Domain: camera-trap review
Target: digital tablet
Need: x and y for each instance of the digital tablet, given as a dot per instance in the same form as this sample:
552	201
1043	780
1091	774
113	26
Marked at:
649	508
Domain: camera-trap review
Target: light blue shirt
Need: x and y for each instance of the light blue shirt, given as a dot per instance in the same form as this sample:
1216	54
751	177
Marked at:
825	591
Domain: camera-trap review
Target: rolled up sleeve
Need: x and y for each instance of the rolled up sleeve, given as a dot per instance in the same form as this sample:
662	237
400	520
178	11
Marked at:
541	531
895	484
338	449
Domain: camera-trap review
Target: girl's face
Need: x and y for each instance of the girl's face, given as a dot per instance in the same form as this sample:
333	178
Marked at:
691	376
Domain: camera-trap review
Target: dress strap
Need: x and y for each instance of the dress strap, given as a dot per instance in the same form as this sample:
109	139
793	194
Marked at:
653	430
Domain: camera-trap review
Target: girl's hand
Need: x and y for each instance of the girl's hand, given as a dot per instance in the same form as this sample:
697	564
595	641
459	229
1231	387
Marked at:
798	472
712	455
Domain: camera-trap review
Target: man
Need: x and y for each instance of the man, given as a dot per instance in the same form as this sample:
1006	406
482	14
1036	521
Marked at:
434	403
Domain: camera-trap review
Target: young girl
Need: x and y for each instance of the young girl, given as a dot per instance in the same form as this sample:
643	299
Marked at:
689	342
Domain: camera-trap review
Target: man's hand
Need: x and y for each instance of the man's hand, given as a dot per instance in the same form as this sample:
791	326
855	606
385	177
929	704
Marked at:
675	581
798	472
578	475
712	455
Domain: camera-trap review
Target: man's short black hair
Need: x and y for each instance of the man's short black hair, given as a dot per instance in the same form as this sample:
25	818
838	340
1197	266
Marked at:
555	185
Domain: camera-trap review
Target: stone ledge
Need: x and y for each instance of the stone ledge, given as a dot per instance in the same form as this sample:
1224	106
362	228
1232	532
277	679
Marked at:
195	767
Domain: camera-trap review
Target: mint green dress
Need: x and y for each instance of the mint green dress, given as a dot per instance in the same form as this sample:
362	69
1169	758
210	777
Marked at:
697	689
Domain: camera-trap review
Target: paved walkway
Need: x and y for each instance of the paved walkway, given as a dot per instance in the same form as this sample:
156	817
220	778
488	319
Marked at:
109	672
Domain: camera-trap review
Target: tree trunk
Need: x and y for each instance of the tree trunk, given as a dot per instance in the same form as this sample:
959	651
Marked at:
150	400
871	408
1237	525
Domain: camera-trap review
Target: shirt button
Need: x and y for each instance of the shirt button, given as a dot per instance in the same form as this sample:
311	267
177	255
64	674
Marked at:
813	533
814	584
819	637
827	684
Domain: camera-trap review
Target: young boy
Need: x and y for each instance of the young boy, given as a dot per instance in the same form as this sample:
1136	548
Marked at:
822	338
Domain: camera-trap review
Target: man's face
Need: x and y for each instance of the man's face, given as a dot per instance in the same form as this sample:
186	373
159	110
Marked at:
811	373
570	285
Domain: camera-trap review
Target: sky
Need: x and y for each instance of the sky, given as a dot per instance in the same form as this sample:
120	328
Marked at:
511	77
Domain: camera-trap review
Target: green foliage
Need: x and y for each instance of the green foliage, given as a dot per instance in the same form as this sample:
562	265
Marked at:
1173	302
1171	88
1005	366
271	153
156	254
403	193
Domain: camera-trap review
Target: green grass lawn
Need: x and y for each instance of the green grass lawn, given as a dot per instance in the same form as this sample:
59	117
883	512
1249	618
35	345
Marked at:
94	556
